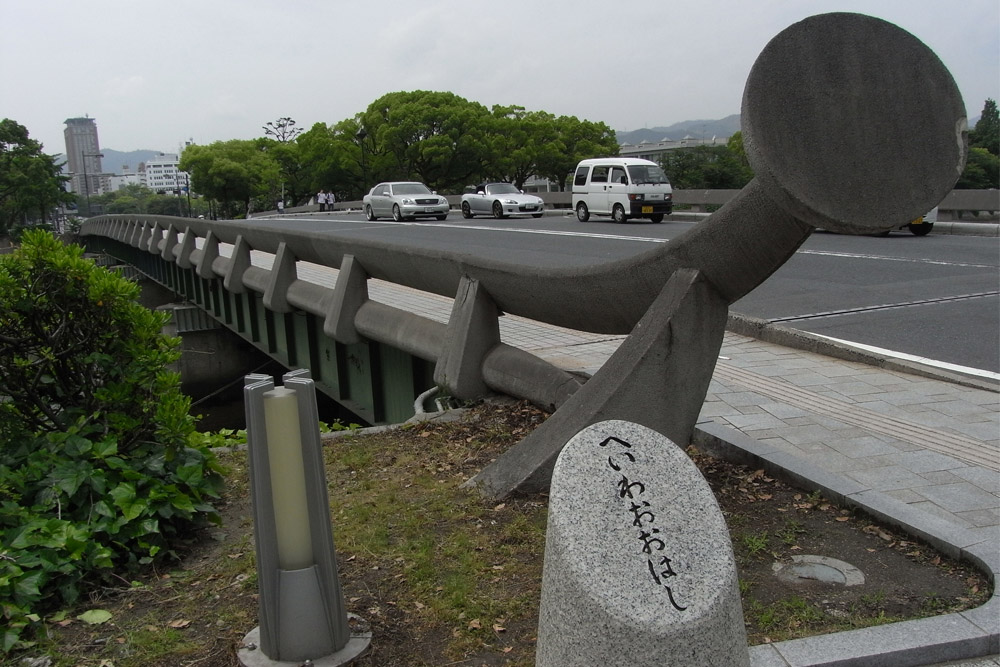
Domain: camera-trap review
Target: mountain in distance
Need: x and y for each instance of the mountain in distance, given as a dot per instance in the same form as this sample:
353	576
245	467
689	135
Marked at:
722	128
114	161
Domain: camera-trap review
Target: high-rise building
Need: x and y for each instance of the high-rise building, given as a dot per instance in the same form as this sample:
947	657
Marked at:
83	152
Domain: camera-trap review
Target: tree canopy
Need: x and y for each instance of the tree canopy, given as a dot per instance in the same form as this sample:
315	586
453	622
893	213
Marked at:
439	138
982	169
986	134
31	182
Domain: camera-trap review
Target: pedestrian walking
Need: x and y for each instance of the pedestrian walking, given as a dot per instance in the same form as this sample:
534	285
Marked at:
331	199
321	200
281	207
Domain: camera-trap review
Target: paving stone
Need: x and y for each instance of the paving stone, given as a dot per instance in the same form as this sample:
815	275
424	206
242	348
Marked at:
981	518
907	496
960	409
961	497
852	389
986	479
862	447
798	435
888	478
784	411
933	509
755	421
940	477
718	409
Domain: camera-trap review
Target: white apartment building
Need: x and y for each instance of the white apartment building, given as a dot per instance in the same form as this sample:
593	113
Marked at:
162	175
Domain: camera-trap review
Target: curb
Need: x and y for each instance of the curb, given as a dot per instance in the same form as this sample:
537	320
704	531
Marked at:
973	633
761	329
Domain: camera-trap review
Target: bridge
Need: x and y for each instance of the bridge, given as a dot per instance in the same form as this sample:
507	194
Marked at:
673	299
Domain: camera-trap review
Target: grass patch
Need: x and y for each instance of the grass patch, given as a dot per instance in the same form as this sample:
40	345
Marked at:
445	577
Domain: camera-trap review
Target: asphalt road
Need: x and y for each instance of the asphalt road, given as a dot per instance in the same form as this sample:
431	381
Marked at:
936	297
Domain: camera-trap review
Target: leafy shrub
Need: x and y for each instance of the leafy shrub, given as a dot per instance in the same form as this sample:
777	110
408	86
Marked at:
101	470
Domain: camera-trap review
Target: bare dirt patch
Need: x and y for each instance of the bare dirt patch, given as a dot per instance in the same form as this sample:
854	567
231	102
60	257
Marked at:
445	578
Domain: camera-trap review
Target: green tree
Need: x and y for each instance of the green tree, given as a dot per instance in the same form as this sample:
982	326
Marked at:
332	159
575	140
986	134
436	137
735	146
521	141
100	469
982	171
236	173
705	167
31	182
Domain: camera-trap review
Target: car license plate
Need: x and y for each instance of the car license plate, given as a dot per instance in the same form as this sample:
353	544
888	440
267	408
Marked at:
429	210
647	209
529	207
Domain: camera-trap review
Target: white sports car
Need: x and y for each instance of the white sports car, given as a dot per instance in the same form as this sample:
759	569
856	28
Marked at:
500	200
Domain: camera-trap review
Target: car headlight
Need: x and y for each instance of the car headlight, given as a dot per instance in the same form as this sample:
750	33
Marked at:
443	201
508	201
406	201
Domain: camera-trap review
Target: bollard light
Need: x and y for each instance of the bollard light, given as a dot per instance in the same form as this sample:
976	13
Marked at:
288	489
302	615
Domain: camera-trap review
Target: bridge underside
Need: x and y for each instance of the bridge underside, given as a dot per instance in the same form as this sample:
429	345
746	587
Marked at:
377	382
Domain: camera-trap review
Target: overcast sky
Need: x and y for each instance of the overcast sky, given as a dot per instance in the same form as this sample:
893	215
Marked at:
156	74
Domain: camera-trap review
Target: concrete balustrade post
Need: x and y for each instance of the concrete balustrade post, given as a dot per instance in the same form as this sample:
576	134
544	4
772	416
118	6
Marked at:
169	241
239	262
283	274
187	247
152	245
349	294
473	330
209	253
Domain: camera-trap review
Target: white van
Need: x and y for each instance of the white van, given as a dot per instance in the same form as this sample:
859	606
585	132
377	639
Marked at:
623	188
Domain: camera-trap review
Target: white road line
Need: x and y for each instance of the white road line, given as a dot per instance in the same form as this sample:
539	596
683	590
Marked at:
912	357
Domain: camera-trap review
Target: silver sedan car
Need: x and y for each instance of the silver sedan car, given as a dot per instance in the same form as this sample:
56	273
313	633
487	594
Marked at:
500	200
404	200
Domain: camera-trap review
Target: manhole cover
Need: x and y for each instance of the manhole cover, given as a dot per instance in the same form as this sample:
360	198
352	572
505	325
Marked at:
818	568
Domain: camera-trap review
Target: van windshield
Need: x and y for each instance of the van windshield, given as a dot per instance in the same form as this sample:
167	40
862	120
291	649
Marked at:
647	174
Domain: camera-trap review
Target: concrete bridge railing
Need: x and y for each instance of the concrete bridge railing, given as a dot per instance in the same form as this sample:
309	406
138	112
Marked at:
468	358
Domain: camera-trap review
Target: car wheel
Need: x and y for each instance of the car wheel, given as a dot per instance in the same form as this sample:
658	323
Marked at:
443	216
582	214
466	210
618	213
656	217
497	210
369	213
922	229
536	215
396	215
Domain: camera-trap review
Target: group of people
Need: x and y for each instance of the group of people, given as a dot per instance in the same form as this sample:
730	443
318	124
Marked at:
326	200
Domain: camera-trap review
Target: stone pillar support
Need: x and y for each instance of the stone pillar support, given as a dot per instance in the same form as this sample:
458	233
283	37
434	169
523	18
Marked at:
187	247
473	330
349	294
167	252
239	262
283	274
209	253
152	245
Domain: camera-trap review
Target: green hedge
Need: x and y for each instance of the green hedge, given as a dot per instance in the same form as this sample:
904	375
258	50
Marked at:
101	469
